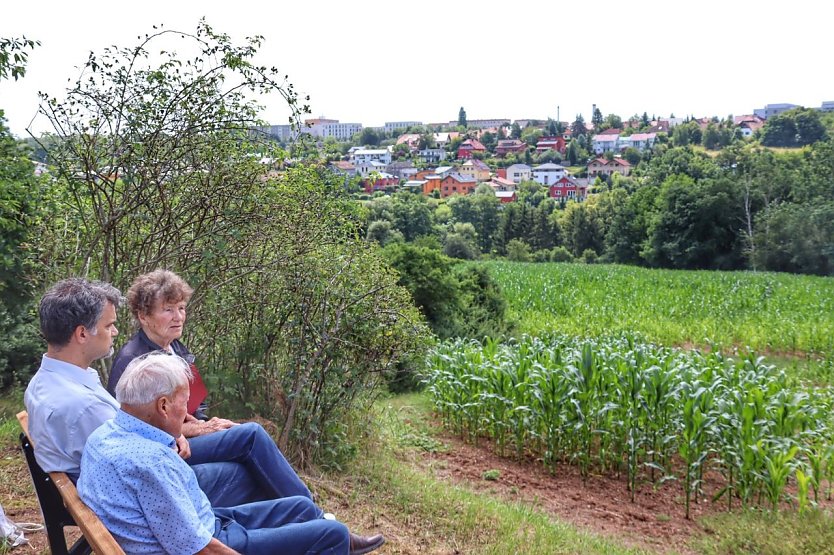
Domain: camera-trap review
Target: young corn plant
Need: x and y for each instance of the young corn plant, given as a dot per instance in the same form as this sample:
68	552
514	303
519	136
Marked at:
802	486
692	445
779	468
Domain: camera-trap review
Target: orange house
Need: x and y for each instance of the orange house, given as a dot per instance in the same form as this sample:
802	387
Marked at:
432	184
457	184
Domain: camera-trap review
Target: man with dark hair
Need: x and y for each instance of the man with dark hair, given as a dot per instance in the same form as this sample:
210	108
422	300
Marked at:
66	403
78	321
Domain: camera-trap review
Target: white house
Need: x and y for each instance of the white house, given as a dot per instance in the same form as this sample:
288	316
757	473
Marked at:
605	143
518	173
366	167
432	155
372	155
640	141
547	174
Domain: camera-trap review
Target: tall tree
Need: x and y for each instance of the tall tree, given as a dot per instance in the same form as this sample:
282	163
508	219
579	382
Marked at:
613	121
780	130
597	119
462	117
515	132
578	128
809	126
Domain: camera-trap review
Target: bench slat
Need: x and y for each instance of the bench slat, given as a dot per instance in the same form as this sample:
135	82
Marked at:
101	540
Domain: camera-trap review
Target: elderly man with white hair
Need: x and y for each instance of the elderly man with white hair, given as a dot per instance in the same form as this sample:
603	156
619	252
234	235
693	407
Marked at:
149	498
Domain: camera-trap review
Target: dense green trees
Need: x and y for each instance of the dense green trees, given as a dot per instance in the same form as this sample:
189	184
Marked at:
21	197
742	208
457	300
796	127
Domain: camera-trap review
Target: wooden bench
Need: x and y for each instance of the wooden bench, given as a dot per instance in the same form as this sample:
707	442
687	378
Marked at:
61	507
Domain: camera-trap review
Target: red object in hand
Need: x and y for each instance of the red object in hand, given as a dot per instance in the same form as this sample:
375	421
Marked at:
197	390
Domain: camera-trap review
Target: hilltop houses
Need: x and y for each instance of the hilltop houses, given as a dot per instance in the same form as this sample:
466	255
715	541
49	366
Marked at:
469	147
613	141
603	167
568	188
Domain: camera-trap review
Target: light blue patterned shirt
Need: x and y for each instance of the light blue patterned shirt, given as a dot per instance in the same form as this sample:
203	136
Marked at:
65	404
143	492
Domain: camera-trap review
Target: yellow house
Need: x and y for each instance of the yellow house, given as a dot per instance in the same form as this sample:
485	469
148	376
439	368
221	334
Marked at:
475	169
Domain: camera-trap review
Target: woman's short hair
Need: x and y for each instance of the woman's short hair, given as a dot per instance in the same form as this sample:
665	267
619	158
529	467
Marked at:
158	286
152	376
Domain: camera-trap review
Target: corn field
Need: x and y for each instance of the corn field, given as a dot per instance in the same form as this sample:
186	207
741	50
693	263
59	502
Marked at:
623	406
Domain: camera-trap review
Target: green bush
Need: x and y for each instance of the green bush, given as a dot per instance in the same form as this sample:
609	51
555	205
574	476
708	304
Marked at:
518	251
560	254
589	256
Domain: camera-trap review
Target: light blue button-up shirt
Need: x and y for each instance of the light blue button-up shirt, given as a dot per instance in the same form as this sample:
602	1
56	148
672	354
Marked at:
144	493
65	404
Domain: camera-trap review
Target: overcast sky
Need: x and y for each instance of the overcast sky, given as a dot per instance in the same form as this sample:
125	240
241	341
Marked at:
375	61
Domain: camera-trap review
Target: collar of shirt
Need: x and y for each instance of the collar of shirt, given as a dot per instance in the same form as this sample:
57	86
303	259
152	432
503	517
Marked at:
132	424
87	377
176	348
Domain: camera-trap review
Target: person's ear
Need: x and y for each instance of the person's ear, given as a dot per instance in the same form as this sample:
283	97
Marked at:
81	333
162	405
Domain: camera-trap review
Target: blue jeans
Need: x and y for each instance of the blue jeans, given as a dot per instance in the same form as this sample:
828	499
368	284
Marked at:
241	465
287	526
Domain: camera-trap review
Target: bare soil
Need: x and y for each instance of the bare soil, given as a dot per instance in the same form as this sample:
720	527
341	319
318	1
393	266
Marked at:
654	521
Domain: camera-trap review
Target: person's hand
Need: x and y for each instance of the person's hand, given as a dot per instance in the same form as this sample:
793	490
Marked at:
218	424
193	427
183	447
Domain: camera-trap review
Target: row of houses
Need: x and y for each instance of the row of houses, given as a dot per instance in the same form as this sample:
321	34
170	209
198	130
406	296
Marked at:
464	178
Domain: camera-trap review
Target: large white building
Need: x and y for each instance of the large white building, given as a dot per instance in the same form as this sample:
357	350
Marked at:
772	110
367	155
483	123
324	128
279	132
393	125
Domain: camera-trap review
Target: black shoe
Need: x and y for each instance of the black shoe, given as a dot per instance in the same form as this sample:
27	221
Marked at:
365	544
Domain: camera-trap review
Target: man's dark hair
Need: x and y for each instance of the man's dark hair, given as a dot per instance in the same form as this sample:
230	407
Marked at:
71	303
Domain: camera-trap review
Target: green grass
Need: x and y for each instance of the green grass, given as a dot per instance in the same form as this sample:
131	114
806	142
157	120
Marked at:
464	521
767	533
768	312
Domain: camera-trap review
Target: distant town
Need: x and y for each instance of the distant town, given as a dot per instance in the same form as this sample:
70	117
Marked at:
455	157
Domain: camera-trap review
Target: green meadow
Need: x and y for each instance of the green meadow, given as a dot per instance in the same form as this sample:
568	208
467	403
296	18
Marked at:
776	314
